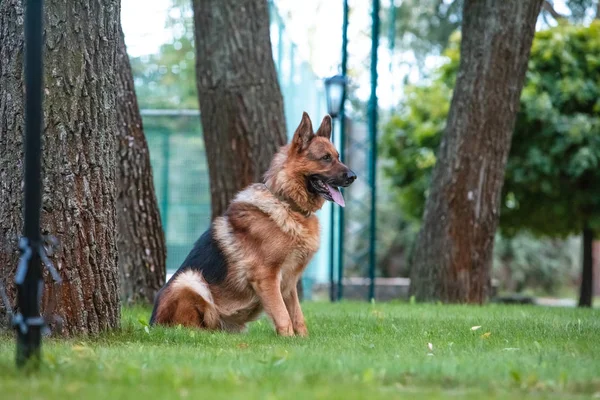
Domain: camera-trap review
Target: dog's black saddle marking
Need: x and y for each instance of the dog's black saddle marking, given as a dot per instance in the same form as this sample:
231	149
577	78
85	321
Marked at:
206	257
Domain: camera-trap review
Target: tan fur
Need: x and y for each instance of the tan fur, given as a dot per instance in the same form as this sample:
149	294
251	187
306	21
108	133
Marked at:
268	235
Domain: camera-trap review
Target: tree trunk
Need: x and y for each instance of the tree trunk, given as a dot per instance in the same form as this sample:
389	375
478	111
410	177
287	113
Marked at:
140	239
79	148
240	100
587	272
453	253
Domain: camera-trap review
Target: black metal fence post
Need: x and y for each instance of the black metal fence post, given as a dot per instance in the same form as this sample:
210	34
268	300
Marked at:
28	321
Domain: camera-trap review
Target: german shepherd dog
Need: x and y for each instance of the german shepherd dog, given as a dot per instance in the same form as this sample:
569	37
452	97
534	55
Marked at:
250	259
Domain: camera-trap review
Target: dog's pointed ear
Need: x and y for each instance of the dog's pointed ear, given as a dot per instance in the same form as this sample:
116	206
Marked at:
304	133
325	128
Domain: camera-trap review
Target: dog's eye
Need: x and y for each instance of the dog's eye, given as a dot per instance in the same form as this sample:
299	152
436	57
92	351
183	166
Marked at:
326	157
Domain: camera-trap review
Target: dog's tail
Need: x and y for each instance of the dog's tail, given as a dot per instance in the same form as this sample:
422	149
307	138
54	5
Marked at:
186	301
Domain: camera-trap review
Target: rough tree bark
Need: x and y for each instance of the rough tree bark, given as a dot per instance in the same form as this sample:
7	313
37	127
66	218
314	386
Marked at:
240	100
586	291
140	238
453	253
79	148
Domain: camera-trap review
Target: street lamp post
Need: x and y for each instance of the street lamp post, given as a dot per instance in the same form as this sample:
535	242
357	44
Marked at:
335	93
335	88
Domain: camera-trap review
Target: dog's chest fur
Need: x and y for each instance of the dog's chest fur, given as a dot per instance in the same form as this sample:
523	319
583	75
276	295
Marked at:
261	235
301	232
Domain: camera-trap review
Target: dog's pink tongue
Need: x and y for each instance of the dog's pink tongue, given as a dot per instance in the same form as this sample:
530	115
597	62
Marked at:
336	195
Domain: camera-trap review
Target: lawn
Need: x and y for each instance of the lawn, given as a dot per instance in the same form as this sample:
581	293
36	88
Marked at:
355	351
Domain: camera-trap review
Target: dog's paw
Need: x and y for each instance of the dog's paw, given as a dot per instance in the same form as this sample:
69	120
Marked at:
285	330
301	330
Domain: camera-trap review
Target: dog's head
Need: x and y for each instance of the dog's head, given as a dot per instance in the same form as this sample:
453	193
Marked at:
313	157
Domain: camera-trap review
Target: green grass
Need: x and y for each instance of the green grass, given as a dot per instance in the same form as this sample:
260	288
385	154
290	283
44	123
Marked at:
355	351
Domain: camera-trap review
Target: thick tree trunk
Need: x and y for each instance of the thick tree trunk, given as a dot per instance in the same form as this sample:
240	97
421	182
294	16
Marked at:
79	148
140	239
240	100
453	253
587	272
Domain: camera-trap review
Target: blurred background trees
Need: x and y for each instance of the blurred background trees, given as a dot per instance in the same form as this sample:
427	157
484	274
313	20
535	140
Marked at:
166	79
554	158
453	251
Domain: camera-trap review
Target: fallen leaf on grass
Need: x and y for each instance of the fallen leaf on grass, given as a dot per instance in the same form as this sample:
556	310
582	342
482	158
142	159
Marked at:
243	345
79	348
430	347
486	335
82	350
279	362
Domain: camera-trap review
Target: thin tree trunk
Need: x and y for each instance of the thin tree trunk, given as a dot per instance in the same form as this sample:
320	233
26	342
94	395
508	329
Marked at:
453	253
546	5
240	99
79	147
587	273
141	241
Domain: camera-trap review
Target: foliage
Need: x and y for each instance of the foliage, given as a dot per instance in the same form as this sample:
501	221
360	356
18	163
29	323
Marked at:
395	233
409	142
524	262
580	9
355	351
424	27
167	79
553	169
553	164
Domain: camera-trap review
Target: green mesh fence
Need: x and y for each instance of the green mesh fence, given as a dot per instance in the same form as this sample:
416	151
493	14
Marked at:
180	177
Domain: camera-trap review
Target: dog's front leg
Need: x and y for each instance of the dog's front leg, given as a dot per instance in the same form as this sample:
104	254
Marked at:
292	303
268	290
